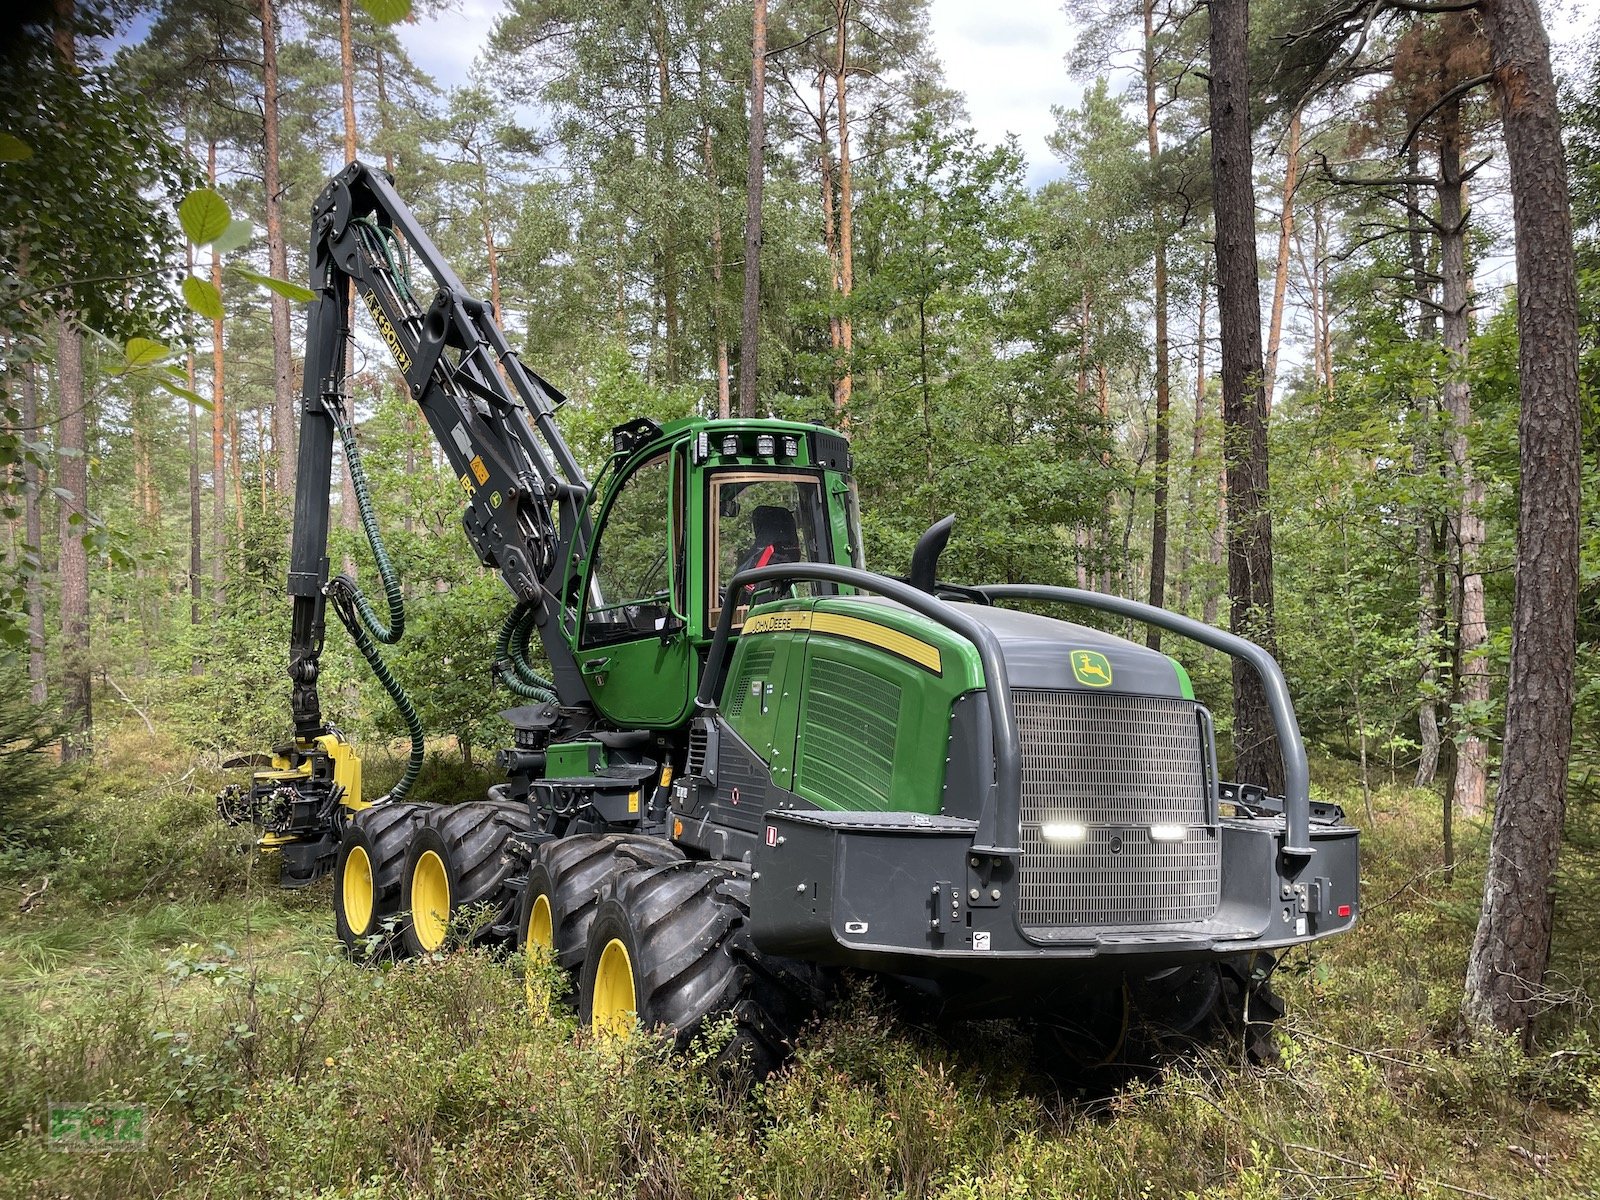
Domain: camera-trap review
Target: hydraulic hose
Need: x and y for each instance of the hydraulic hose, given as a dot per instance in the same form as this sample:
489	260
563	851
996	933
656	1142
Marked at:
511	657
344	594
362	621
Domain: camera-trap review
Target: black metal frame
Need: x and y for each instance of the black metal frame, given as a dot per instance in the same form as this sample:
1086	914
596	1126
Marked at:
470	387
999	822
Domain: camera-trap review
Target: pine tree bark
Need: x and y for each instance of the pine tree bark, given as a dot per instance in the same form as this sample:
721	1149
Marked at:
846	210
219	415
1511	949
719	316
1244	401
73	477
1280	277
830	233
1163	456
283	397
750	325
1423	465
669	171
33	532
1469	790
1191	506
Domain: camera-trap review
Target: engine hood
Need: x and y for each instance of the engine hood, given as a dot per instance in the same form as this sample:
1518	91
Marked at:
1044	652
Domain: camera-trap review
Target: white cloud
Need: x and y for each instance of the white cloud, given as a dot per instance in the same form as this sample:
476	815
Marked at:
1008	57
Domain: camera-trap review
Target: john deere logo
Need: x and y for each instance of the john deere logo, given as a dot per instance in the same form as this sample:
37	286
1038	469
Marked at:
1090	668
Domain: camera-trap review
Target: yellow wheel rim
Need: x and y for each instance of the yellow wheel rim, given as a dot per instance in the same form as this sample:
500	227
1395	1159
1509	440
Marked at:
539	946
615	1007
356	892
430	901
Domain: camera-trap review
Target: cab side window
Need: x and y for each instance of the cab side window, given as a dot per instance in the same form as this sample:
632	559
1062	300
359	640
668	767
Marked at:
630	585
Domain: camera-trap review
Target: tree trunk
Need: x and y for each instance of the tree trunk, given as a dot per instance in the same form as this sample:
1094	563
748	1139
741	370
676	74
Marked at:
1158	525
1191	505
347	85
73	477
846	211
1423	465
1244	400
750	326
719	316
196	535
1469	792
33	532
1280	279
277	261
1511	949
669	172
219	414
830	233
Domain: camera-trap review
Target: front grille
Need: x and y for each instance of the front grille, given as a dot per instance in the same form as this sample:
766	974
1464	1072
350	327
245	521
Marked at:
1116	765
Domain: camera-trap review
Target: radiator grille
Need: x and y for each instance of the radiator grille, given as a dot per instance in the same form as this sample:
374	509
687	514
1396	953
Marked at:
849	720
1116	765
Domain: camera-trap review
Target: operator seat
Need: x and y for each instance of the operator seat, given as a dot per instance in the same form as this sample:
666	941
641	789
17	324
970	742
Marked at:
777	540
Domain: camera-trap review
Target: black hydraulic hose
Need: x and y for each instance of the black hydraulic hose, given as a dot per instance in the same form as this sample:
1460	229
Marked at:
510	657
362	620
342	592
391	632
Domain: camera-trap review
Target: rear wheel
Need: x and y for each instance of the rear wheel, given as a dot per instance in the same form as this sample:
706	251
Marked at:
669	949
458	861
368	874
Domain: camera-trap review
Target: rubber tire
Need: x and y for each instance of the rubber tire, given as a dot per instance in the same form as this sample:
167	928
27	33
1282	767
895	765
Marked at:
1250	1006
685	929
572	873
383	832
1238	1019
469	842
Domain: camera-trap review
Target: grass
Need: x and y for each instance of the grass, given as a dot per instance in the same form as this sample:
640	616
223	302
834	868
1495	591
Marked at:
160	969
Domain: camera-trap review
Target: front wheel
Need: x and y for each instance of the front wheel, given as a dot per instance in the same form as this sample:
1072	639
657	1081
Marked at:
670	950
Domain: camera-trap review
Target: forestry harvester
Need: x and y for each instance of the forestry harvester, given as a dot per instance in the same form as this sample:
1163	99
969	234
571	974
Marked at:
752	759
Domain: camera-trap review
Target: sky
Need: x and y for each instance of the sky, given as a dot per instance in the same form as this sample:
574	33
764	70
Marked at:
1007	57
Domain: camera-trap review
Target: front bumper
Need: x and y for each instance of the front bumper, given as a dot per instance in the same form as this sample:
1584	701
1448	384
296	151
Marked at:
906	893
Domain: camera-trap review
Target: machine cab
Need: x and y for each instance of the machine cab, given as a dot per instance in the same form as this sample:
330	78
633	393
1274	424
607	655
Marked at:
688	507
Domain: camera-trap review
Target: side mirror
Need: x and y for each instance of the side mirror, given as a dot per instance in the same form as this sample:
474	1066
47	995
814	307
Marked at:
925	558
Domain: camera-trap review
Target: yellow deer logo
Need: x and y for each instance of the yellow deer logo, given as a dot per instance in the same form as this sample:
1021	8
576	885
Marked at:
1090	668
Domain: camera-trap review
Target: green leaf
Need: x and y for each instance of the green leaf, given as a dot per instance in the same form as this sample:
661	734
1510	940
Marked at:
283	287
183	393
387	12
202	296
204	215
238	233
14	149
142	352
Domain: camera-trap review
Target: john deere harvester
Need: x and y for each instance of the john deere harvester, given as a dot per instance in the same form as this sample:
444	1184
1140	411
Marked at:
752	759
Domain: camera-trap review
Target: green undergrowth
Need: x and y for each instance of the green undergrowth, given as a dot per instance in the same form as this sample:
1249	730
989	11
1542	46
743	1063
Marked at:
161	968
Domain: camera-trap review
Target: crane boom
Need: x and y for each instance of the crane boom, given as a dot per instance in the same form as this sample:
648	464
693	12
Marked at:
492	417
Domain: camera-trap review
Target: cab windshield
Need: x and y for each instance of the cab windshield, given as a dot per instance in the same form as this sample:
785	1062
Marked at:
761	519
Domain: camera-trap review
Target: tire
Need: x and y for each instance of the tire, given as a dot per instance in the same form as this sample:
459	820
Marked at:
570	875
670	949
1228	1005
1250	1006
368	873
457	860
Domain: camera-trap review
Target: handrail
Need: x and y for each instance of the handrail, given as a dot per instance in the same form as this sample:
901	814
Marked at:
1296	772
1000	818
